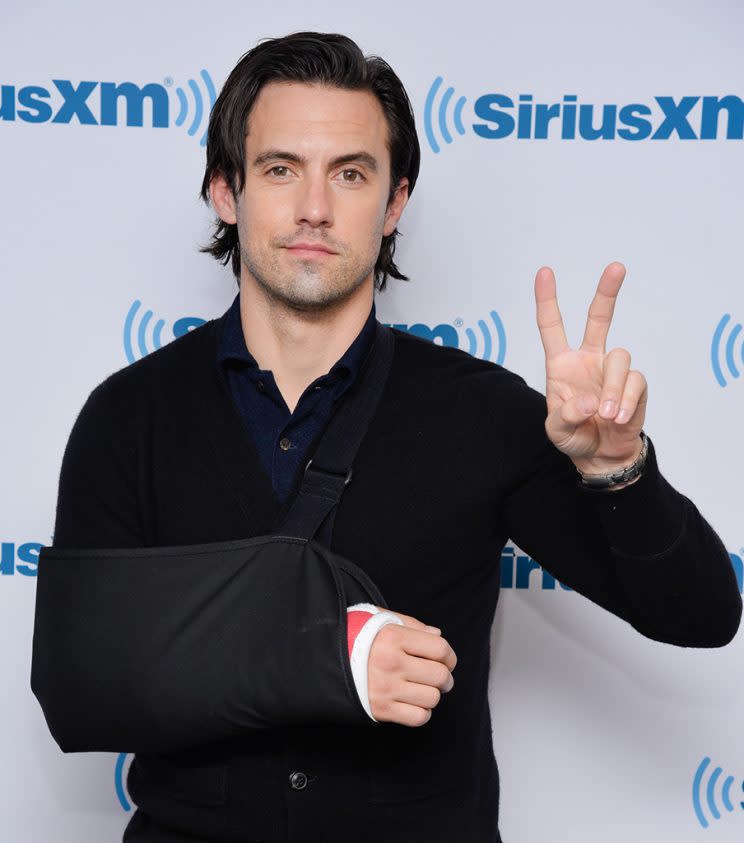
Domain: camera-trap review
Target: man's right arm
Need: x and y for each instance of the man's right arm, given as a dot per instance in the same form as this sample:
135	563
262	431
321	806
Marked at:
141	652
98	502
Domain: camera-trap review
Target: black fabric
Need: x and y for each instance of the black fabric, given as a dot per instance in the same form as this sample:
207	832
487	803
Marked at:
455	462
330	470
277	601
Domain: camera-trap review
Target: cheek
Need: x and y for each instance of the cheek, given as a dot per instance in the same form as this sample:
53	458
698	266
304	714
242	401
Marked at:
364	220
254	228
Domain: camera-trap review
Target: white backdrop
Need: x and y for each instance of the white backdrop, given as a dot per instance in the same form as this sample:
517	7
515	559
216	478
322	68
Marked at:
598	731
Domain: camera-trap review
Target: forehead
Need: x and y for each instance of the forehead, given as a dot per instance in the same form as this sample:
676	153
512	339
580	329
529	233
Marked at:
317	118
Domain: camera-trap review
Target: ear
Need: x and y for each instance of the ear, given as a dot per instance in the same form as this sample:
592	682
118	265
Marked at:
395	208
223	201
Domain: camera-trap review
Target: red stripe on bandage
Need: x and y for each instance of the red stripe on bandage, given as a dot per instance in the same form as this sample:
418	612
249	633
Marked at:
354	622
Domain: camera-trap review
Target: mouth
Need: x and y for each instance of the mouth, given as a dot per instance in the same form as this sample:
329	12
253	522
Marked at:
309	250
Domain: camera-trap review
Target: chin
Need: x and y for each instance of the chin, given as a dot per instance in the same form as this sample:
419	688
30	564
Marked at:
315	303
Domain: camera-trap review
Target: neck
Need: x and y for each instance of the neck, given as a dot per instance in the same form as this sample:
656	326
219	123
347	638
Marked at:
299	346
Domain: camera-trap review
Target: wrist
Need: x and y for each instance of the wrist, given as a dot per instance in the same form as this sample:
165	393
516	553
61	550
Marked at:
614	476
364	621
603	465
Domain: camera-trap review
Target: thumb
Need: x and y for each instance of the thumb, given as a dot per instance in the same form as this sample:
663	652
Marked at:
562	422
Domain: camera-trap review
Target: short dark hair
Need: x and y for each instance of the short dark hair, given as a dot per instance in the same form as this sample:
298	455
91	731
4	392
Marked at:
311	57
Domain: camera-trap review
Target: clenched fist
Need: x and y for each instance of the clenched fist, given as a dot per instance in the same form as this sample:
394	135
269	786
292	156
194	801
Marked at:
409	668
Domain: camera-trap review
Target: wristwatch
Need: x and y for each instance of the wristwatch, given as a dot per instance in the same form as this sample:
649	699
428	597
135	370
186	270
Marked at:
630	472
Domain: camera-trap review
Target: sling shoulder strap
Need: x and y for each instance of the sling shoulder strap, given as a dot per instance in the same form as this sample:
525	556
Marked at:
329	471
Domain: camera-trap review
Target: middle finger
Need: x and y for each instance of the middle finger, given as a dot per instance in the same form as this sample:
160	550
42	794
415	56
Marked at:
615	372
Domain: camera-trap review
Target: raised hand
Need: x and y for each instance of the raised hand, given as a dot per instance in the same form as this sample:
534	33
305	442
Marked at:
596	402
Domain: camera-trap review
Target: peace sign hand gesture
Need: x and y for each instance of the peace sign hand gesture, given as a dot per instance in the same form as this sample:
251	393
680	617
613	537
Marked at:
596	403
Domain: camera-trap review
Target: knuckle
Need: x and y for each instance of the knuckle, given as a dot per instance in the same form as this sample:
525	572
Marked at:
379	697
548	322
442	674
389	631
639	378
443	648
421	716
435	696
598	315
384	658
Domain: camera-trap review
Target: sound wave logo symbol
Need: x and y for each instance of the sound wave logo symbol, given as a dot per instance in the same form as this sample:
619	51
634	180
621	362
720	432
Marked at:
120	779
479	343
730	351
442	115
485	354
710	793
139	341
199	101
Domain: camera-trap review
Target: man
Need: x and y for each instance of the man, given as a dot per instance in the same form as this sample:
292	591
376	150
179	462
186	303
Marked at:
312	155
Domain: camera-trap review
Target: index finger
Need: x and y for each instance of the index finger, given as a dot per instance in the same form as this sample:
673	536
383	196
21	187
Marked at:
549	320
416	642
602	307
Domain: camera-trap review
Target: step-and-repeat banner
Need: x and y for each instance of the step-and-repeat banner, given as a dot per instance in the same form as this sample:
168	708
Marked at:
567	135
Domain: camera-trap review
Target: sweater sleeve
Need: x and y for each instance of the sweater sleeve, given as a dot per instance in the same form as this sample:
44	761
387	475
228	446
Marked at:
643	552
99	495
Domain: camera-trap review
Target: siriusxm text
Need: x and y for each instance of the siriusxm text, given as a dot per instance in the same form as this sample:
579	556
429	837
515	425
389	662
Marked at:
520	571
686	118
19	558
88	103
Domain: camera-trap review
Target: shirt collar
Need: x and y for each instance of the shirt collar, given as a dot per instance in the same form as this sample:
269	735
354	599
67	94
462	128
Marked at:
232	345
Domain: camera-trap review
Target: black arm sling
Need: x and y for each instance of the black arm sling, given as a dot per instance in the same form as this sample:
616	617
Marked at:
160	649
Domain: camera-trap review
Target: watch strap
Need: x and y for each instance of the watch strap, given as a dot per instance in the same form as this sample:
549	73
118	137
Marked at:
623	475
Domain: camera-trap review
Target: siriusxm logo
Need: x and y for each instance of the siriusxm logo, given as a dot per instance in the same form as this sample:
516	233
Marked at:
142	335
725	350
707	796
480	343
516	571
738	566
110	103
19	558
140	338
496	116
521	572
120	779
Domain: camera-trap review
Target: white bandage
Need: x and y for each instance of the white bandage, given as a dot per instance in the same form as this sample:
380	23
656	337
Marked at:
360	650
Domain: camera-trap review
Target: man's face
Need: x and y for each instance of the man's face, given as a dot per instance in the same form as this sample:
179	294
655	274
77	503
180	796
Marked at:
317	173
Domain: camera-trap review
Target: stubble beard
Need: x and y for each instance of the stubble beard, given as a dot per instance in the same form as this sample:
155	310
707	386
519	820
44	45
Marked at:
311	288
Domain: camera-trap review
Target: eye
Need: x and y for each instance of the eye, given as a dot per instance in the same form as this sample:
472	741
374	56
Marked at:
278	167
359	176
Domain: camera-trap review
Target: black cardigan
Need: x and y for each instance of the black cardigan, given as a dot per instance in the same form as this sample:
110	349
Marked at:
455	462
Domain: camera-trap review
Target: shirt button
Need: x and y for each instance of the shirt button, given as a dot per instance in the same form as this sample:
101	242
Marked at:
260	386
285	444
298	781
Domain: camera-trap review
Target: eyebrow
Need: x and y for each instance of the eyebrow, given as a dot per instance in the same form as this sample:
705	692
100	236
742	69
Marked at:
361	157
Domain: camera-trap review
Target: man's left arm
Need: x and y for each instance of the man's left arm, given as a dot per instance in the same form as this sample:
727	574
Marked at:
644	553
659	563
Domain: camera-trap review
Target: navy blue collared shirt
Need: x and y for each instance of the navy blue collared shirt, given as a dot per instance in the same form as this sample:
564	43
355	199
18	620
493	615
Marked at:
282	438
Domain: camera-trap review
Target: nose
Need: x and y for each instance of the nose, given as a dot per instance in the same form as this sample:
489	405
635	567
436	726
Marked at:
314	201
